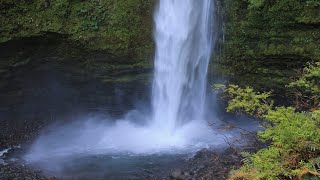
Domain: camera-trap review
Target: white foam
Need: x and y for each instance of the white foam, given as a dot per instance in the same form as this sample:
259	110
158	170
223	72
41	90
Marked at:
4	151
95	138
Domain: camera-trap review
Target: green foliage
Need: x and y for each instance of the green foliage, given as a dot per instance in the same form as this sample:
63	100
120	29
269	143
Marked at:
289	128
306	90
93	14
219	86
266	40
256	3
248	101
295	147
120	27
295	136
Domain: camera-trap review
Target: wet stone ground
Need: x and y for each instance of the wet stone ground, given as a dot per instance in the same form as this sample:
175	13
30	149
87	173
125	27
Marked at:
205	164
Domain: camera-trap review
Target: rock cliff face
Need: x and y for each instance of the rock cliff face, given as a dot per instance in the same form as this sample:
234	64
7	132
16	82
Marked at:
122	28
266	40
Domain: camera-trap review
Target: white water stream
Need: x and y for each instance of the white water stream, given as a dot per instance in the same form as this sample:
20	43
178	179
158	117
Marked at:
183	37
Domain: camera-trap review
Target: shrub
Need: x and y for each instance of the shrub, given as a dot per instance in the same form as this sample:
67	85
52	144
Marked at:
306	89
248	101
294	152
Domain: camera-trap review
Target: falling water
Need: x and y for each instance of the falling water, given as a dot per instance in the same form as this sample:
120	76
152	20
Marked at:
183	37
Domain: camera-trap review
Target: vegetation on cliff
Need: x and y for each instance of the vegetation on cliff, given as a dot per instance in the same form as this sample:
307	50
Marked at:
266	40
120	27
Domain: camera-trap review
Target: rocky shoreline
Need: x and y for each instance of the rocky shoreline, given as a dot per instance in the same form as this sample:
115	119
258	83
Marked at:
206	164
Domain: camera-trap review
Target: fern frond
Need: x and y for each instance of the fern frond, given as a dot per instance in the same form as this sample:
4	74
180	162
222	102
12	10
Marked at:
307	171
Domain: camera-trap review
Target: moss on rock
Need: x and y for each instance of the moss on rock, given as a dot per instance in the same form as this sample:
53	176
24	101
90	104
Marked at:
266	40
120	27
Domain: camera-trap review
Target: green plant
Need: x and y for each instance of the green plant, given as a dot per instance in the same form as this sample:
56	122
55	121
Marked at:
306	89
248	101
93	14
294	152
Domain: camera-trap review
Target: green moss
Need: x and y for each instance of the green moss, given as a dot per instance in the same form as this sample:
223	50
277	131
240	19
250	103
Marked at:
120	27
145	77
277	36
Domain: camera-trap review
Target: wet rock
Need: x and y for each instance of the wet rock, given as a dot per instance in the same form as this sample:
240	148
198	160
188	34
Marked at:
209	164
177	174
187	174
17	171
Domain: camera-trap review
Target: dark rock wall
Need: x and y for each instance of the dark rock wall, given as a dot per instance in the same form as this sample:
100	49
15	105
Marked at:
266	41
122	28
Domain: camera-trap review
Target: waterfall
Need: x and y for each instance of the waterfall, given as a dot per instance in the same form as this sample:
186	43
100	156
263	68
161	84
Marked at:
183	37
